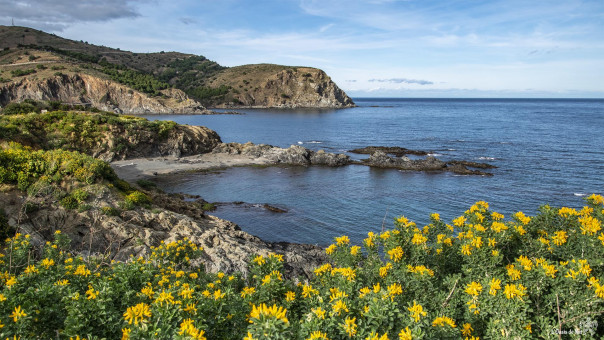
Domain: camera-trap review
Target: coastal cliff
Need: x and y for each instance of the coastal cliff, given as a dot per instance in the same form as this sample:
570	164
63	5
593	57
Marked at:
275	86
145	83
79	88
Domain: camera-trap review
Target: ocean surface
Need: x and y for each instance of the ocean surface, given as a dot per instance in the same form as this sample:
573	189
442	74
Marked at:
547	151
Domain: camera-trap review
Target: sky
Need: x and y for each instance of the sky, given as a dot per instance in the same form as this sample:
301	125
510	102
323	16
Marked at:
370	48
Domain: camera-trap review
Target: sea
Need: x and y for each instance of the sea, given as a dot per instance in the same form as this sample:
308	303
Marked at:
547	151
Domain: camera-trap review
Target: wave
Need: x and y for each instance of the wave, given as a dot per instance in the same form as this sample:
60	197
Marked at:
487	158
434	154
579	194
310	142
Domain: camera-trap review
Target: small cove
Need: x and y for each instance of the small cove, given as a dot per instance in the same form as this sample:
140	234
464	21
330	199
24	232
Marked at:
547	151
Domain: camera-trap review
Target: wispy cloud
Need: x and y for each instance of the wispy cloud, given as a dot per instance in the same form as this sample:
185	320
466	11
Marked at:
59	14
402	81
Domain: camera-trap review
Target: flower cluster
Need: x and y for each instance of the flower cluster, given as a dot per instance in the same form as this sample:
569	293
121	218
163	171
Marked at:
481	276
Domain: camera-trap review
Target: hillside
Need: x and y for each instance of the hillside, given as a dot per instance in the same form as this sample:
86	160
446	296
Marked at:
25	50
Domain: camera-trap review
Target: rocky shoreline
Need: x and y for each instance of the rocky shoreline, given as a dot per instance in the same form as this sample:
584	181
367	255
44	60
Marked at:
225	155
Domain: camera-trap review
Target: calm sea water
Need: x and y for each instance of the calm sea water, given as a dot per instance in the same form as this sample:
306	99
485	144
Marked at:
548	152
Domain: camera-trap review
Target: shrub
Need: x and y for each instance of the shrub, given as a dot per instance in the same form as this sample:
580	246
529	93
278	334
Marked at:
138	198
110	211
18	108
69	202
80	195
146	184
477	276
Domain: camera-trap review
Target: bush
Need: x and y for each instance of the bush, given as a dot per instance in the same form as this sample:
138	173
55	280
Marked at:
146	184
110	211
69	202
138	198
20	73
19	108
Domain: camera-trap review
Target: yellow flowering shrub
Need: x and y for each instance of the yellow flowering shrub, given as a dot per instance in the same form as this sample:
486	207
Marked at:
483	278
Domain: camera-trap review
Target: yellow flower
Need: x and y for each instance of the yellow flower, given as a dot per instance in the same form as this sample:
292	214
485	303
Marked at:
82	271
466	249
512	291
290	296
137	314
319	312
513	273
259	260
520	230
329	250
354	250
11	281
350	327
342	240
247	291
190	308
497	216
416	311
467	329
322	269
405	334
376	336
339	307
47	263
91	293
218	294
318	335
460	221
494	286
589	225
165	297
525	262
477	242
442	321
126	333
522	218
495	252
394	289
396	254
418	239
17	314
273	312
473	288
567	212
31	269
383	271
498	227
308	291
435	217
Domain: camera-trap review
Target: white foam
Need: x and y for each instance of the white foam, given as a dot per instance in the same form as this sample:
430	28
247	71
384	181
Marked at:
300	143
579	194
314	142
487	158
434	154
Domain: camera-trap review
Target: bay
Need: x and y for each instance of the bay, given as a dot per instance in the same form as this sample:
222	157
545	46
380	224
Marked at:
548	151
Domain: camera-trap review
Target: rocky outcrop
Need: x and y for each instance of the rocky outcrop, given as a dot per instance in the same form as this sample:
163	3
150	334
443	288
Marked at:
84	89
380	159
134	232
396	151
182	140
294	155
273	86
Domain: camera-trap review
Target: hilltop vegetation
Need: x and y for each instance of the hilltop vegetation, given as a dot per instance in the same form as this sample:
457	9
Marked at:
202	79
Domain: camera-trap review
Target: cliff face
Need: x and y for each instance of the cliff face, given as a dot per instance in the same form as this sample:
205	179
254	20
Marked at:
101	93
280	87
134	232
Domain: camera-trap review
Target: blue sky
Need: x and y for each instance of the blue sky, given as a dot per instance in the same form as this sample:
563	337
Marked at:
395	48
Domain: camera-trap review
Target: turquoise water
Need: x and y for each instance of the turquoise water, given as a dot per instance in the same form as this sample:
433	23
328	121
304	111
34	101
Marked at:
547	151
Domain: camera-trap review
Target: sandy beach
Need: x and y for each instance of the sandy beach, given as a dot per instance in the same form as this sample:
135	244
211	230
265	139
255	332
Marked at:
139	168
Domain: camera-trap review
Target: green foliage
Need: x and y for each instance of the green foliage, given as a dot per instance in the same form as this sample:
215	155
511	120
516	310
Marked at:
202	93
110	211
20	73
5	229
138	198
24	167
137	80
78	131
18	108
480	276
146	184
69	202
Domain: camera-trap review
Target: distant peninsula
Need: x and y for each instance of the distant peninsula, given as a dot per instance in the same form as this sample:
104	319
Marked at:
40	66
